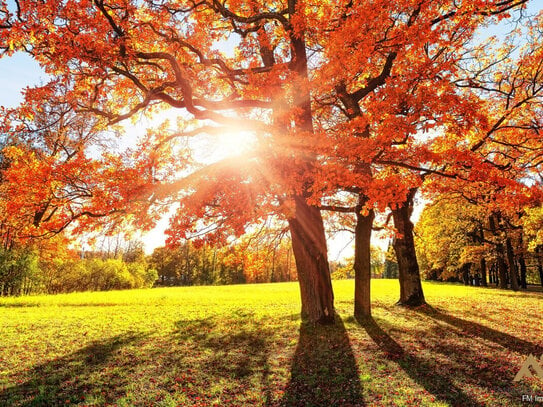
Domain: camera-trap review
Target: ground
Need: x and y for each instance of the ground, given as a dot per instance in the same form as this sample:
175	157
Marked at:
246	346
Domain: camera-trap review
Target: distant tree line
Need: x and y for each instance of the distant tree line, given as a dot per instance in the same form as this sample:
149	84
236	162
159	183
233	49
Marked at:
51	268
478	248
256	258
471	247
381	266
48	266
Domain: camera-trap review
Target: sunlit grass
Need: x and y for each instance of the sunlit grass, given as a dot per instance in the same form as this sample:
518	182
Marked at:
244	345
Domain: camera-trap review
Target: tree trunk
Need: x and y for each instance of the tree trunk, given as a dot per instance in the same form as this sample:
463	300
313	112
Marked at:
404	245
512	265
310	254
495	279
522	262
482	263
522	266
465	273
500	254
362	261
272	275
483	272
502	267
306	227
539	252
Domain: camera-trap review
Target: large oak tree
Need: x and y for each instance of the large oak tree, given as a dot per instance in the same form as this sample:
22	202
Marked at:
334	92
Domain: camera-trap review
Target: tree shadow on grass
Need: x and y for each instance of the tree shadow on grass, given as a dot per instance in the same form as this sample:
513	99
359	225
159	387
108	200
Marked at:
489	334
324	370
233	352
71	378
420	370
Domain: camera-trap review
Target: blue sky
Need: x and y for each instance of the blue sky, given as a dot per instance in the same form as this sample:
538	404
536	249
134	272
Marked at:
16	73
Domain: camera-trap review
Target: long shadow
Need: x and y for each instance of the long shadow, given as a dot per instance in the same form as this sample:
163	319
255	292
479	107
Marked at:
324	370
69	379
238	354
472	328
421	371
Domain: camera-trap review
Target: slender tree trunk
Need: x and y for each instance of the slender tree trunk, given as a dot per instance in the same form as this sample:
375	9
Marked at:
272	275
512	266
539	252
482	262
500	253
362	261
310	254
523	272
492	274
495	279
501	266
483	272
522	262
288	265
465	273
404	245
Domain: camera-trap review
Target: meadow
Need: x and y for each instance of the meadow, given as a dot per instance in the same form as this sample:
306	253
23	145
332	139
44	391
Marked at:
244	345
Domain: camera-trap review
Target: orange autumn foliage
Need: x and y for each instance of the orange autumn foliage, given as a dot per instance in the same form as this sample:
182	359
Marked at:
231	67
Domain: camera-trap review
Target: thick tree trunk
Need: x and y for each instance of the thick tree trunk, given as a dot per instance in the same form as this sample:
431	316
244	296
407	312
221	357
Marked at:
404	245
512	265
306	227
310	253
362	261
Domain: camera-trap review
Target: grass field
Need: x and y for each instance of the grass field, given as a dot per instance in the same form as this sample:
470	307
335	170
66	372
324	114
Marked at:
245	346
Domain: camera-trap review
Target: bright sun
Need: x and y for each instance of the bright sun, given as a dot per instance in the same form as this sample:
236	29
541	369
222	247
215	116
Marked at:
234	143
206	148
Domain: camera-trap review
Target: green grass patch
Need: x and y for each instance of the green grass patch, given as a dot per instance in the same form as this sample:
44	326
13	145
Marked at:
246	346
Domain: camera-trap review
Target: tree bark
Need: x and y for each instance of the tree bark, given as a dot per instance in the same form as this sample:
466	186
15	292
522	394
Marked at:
539	252
522	262
512	266
482	263
500	254
306	227
483	272
404	245
502	267
362	261
465	273
523	272
310	254
494	273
